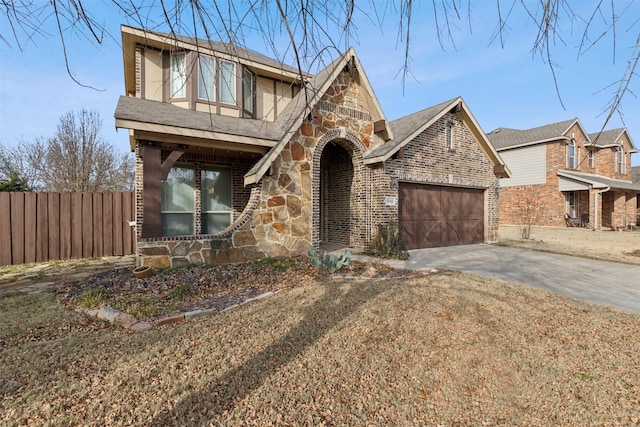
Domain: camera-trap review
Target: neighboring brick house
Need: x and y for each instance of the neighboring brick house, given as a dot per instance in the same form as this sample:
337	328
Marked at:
561	175
241	157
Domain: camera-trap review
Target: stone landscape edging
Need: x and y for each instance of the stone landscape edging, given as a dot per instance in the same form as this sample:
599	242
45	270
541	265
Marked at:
127	321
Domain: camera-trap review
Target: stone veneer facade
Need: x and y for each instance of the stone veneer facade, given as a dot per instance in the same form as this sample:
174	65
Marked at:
321	190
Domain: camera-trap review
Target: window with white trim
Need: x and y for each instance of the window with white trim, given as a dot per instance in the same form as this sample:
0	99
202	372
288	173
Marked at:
248	92
571	160
572	204
591	158
178	75
620	160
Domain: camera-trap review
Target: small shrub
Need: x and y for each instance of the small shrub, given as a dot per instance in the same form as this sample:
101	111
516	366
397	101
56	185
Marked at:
92	298
331	262
389	242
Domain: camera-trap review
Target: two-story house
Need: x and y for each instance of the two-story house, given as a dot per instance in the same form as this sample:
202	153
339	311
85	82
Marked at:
562	175
239	156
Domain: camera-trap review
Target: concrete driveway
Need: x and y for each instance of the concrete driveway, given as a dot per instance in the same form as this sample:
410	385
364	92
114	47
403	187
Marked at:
601	282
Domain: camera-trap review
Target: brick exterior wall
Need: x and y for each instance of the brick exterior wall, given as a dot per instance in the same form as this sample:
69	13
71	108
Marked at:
321	191
427	160
545	205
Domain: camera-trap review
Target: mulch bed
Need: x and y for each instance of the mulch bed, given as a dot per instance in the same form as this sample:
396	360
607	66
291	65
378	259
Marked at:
190	288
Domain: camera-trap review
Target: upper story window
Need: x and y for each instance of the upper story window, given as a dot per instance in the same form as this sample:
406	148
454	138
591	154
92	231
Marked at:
620	161
207	78
591	158
248	92
227	82
571	163
448	141
178	75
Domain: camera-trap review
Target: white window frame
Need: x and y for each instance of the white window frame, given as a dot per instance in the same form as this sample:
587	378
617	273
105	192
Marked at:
592	160
248	83
571	154
178	83
229	211
620	160
572	203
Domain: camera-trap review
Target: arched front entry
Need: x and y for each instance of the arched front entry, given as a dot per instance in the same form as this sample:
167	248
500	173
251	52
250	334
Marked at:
341	195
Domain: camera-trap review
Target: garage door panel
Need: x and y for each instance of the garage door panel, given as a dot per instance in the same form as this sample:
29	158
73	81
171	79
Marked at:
441	216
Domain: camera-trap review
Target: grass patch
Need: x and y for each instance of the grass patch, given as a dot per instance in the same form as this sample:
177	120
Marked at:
181	292
92	298
137	306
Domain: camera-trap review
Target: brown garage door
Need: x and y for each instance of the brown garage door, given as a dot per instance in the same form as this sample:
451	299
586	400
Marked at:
433	216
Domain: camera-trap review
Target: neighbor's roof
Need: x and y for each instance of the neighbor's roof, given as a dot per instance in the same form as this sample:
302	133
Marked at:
506	138
610	138
635	174
599	181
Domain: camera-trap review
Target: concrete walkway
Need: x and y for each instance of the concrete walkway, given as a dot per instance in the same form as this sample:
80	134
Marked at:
601	282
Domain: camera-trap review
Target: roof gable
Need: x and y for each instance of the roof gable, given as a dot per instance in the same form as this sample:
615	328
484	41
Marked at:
610	138
291	118
408	127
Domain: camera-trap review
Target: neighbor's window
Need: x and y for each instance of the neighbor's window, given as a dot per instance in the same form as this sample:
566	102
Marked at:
248	92
178	75
216	200
619	160
177	202
227	82
571	204
449	136
572	154
591	158
207	80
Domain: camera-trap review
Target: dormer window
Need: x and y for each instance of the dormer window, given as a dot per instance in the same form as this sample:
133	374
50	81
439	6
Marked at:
178	75
572	154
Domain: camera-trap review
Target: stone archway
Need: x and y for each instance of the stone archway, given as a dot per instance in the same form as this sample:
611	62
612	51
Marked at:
340	192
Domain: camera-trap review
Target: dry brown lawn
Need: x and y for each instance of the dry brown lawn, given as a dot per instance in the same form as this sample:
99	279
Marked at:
439	349
616	246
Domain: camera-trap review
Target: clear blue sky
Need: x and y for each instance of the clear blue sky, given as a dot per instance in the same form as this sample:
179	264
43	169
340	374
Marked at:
503	86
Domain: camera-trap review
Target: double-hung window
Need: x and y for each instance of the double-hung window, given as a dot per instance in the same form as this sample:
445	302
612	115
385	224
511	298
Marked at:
591	158
227	82
177	202
178	75
207	78
216	199
180	207
619	160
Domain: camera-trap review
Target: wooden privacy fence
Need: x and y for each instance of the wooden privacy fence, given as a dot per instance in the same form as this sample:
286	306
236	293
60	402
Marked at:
37	227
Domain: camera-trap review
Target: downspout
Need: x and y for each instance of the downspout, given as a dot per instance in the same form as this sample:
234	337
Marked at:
595	207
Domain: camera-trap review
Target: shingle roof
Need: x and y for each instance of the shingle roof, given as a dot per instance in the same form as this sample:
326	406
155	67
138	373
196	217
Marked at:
504	138
405	126
166	114
606	137
228	48
600	181
635	174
